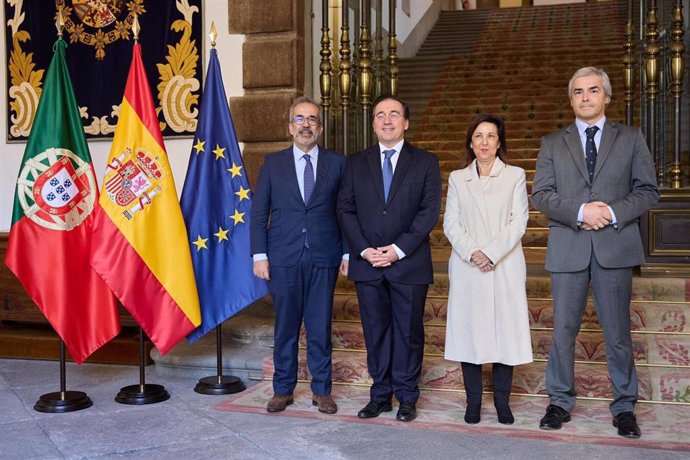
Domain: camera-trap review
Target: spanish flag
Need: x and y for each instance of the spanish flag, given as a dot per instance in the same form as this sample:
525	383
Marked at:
140	239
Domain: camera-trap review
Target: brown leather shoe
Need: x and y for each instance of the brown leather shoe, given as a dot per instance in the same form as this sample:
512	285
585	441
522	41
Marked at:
326	404
279	403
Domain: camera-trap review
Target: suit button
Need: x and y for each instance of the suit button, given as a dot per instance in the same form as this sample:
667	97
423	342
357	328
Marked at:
304	230
384	213
592	195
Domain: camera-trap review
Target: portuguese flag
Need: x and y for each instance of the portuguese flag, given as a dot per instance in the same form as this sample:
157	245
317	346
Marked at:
50	240
140	239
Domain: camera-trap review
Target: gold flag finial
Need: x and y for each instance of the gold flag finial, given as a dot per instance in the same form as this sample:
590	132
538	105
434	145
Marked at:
213	34
136	28
60	23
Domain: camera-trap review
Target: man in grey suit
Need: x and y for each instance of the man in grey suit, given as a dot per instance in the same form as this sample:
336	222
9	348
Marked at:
593	180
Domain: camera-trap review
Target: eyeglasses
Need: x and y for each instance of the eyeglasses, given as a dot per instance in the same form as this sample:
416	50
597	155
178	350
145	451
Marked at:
311	120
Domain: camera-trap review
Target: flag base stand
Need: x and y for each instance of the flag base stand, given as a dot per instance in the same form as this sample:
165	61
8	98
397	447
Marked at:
62	401
219	384
144	393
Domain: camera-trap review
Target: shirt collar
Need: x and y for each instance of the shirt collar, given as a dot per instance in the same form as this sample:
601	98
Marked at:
298	153
397	147
581	125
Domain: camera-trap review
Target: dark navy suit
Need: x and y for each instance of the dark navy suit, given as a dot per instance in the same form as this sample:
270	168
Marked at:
392	299
302	278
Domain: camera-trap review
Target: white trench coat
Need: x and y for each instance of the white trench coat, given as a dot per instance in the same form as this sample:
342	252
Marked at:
487	311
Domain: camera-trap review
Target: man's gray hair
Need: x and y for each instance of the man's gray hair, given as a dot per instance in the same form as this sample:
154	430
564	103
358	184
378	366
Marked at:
303	100
585	72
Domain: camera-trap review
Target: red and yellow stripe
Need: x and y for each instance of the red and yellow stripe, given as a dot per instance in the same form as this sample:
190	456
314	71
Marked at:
146	259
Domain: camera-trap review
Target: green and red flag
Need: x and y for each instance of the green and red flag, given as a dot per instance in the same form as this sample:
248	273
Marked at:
49	245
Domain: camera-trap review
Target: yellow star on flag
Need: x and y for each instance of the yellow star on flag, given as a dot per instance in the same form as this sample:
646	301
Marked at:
219	152
243	193
200	243
238	217
235	170
199	146
222	234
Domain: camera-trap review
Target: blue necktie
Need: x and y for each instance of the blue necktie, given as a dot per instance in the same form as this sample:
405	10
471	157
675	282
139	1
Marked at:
387	172
591	151
308	178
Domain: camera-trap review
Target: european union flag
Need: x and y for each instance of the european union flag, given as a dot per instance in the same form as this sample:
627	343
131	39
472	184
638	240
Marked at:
216	202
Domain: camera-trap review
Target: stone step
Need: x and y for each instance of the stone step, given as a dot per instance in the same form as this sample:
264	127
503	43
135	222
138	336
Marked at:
653	349
660	318
514	104
538	286
458	145
537	220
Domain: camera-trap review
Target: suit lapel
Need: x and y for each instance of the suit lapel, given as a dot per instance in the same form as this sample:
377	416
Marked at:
474	185
401	167
607	137
572	140
374	162
287	161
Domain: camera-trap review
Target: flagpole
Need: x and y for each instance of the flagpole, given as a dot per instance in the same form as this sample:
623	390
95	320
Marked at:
218	384
63	400
143	393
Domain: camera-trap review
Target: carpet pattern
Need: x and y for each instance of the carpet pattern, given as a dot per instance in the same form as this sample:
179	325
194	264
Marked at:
444	410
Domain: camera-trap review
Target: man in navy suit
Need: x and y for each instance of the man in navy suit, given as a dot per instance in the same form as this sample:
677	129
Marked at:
389	202
297	247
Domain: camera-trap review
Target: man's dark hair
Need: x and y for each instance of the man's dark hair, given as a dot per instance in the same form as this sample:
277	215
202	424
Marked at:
383	97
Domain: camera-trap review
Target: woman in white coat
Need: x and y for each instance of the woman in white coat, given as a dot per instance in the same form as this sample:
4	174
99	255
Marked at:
486	215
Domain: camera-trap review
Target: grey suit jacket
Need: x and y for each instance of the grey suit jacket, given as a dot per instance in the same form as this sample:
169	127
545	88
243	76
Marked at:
624	178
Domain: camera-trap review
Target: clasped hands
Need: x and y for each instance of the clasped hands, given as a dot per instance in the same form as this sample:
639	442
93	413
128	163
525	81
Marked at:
380	257
481	261
596	216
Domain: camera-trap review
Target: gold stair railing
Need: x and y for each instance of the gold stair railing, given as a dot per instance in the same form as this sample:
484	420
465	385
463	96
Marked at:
666	227
346	97
662	71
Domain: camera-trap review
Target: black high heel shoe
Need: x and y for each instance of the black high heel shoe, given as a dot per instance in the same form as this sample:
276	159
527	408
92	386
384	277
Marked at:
473	413
505	415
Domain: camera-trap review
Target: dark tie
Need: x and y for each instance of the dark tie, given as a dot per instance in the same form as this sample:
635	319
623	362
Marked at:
591	151
308	178
387	172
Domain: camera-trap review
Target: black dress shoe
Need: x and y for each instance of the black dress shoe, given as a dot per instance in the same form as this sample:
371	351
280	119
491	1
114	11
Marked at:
406	412
374	408
554	418
626	422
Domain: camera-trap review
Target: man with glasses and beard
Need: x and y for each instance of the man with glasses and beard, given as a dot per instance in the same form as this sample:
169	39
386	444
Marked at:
297	247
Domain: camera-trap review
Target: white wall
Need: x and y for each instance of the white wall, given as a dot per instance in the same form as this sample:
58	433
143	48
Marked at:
230	54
